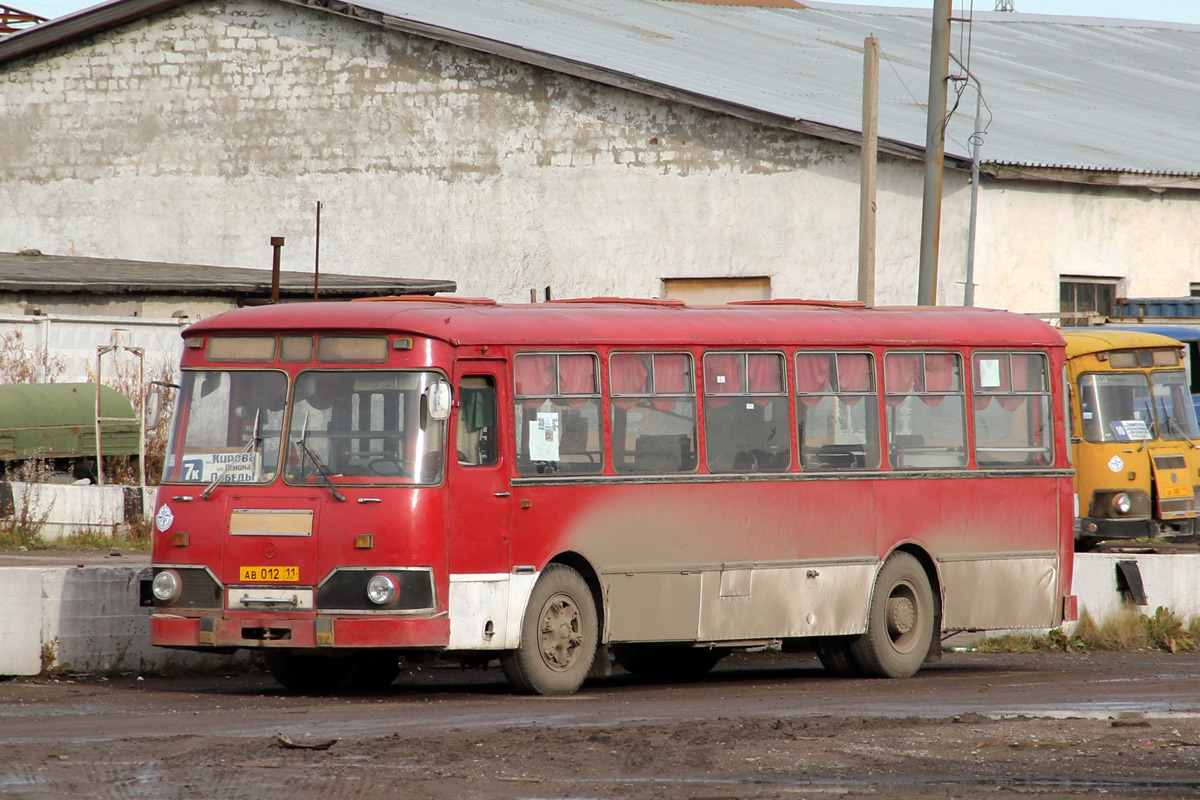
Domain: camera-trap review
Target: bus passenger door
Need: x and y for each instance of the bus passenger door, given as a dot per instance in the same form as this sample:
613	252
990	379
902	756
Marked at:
479	507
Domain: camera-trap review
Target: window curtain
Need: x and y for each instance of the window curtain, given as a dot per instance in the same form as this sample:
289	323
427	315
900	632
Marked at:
812	376
726	366
535	378
853	375
576	375
901	373
670	377
939	376
764	376
629	375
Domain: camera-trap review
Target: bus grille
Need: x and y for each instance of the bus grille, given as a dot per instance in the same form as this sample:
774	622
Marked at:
1184	506
198	589
346	590
1170	462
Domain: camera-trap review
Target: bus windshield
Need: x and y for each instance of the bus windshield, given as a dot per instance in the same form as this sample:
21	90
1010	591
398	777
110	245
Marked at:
1116	407
363	426
228	427
1173	405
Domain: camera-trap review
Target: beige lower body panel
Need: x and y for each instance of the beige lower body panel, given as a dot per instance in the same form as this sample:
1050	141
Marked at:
739	604
1000	593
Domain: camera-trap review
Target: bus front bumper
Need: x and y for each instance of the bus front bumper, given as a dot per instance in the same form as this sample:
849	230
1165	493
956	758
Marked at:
1095	529
224	633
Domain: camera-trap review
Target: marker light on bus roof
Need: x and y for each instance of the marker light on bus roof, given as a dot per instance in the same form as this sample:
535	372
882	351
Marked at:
382	589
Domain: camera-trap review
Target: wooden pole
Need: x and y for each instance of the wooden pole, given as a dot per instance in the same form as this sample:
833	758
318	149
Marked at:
870	150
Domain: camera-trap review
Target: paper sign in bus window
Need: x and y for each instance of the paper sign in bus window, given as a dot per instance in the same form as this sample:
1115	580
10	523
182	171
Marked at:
1130	430
989	373
544	437
238	467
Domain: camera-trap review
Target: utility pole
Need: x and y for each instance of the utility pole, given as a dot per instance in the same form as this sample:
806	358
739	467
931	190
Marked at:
870	148
935	144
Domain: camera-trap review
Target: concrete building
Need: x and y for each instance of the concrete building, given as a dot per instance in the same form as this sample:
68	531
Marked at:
635	147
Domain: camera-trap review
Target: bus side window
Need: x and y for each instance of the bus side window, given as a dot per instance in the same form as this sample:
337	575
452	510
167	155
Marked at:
925	410
837	410
1011	402
557	412
653	412
746	417
477	435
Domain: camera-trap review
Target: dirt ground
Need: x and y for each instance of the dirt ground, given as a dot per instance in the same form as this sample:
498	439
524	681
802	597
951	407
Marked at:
761	726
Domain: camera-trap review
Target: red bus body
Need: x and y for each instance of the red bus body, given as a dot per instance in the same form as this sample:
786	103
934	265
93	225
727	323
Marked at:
709	554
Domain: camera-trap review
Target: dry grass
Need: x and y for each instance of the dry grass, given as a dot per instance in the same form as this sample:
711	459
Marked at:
21	526
1129	630
23	363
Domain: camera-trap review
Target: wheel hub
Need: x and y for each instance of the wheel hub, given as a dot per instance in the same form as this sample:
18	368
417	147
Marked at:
560	633
902	616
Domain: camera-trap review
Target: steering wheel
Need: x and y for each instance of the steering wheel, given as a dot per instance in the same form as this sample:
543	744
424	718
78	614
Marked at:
391	466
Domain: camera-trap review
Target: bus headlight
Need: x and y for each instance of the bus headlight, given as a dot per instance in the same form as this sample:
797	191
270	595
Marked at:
166	586
1122	503
382	589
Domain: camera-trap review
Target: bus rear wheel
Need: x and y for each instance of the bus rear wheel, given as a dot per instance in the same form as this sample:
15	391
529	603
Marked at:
900	628
668	662
559	636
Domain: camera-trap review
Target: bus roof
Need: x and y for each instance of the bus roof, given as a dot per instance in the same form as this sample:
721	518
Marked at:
1082	341
1183	333
644	322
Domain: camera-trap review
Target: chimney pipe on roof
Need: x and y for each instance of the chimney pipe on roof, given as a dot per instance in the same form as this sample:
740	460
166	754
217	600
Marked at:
277	244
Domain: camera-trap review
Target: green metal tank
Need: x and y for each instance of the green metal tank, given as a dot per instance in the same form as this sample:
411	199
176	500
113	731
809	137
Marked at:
58	420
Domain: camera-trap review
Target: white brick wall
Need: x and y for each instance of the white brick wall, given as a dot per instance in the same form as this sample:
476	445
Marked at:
196	134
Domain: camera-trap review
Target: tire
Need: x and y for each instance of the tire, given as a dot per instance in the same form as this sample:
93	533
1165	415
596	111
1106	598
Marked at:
373	671
559	636
837	659
668	662
900	628
303	672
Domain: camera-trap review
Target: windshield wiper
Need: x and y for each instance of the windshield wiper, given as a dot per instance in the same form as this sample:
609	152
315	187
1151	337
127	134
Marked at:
323	472
1173	425
255	440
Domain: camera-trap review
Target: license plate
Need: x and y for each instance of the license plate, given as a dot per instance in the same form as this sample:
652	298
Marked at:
269	574
1174	491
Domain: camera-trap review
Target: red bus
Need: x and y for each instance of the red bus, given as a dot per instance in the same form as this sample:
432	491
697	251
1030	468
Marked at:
351	483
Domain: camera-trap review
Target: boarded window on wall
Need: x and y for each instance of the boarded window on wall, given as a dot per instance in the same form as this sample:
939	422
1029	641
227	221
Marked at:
716	291
1082	299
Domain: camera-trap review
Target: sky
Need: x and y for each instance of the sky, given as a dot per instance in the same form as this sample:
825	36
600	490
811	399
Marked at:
1167	10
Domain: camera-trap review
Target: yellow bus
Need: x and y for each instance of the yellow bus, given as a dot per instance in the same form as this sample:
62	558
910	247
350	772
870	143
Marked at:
1134	437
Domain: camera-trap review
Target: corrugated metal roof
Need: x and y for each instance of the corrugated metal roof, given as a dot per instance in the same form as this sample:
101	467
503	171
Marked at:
45	274
1063	92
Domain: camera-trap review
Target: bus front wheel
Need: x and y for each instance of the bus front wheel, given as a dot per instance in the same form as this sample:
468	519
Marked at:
303	672
559	635
900	627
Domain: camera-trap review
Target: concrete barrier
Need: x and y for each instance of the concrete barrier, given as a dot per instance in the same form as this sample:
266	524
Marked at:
83	619
58	510
88	618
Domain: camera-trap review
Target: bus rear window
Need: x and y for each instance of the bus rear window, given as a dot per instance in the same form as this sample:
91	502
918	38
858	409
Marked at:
241	348
357	349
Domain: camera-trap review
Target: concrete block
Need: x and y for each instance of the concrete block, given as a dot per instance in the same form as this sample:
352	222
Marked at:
20	621
1170	580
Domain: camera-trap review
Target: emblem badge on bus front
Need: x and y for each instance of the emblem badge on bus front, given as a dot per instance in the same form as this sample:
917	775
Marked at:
1116	464
164	518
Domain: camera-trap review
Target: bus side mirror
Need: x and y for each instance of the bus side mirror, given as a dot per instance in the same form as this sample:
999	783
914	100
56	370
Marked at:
437	398
155	400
